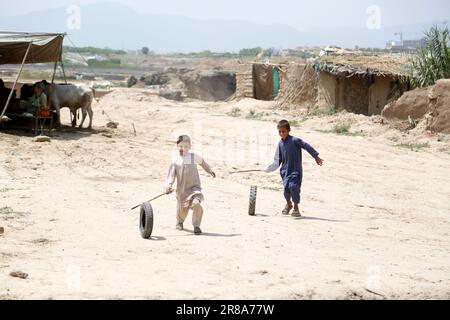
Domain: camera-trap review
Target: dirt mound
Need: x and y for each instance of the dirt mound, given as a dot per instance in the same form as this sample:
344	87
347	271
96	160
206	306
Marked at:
412	104
433	103
439	107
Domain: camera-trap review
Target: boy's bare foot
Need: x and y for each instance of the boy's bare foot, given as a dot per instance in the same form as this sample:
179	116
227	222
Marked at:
296	213
287	209
179	226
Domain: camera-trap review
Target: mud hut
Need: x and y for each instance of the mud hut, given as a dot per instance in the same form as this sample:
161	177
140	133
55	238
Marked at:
358	84
363	85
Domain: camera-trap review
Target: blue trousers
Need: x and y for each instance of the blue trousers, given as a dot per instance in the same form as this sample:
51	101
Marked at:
292	187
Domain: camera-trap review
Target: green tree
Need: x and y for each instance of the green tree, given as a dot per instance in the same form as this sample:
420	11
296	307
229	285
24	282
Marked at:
250	52
433	60
93	50
145	50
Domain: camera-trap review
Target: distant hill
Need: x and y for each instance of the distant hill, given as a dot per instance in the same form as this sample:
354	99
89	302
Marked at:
115	25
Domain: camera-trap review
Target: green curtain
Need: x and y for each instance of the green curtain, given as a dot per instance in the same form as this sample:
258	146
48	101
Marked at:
276	81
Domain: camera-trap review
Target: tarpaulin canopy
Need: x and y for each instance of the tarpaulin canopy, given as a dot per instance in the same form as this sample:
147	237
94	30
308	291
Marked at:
45	47
263	81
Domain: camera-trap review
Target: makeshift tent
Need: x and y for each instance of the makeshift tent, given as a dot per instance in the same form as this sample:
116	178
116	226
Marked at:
45	47
263	80
23	47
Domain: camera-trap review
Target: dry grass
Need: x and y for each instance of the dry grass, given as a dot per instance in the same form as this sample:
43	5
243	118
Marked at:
386	63
235	112
7	213
342	129
253	115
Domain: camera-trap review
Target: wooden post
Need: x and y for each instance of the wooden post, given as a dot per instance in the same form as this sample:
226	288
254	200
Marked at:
15	82
59	53
64	72
54	70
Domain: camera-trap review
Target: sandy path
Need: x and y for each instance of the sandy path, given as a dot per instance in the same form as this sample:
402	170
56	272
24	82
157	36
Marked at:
376	216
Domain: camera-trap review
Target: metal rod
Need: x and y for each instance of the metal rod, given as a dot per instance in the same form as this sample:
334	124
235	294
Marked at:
15	82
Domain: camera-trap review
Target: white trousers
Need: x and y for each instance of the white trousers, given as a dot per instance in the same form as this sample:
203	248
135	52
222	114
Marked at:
197	213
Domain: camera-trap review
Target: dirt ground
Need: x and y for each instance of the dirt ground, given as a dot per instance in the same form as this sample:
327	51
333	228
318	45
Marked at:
375	218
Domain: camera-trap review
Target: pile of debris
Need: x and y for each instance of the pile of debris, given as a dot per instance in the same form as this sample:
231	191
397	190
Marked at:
158	78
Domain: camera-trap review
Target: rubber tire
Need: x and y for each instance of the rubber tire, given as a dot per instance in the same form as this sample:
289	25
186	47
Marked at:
252	204
146	220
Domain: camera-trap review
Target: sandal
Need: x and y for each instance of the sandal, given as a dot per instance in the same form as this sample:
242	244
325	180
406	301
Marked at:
286	210
296	213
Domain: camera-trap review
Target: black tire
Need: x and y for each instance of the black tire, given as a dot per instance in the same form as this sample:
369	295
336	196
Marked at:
252	204
146	220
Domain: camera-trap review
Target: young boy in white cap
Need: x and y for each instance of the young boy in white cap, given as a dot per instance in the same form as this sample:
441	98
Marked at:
189	191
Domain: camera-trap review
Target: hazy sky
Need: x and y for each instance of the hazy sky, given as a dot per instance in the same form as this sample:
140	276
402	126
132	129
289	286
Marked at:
297	13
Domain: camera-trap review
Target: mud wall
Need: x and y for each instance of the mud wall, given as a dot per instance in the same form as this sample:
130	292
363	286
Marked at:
244	81
353	95
379	93
328	90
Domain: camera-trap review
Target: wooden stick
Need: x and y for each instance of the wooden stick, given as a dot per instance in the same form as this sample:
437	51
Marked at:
15	82
56	64
246	171
149	200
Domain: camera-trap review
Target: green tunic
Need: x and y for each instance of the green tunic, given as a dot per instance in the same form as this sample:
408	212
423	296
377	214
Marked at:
34	103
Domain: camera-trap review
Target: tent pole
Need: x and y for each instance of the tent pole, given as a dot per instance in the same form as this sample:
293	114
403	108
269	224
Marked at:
53	80
56	65
15	82
54	71
64	72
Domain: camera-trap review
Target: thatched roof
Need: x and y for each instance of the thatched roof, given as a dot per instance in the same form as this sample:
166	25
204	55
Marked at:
382	65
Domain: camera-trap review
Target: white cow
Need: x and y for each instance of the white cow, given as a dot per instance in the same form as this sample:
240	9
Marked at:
73	97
